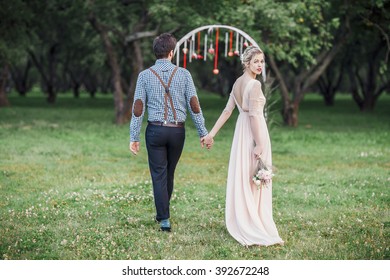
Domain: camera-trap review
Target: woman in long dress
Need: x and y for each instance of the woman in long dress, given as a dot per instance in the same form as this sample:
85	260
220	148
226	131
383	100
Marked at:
248	209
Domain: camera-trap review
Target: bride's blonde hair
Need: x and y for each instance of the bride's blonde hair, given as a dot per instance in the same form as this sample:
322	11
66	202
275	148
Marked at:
248	55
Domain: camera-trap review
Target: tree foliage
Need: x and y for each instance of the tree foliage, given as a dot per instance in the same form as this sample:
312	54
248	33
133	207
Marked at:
102	45
368	53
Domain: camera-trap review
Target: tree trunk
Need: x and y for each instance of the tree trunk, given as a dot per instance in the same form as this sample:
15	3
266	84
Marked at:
329	83
329	98
92	93
76	79
90	83
52	94
306	78
4	75
20	78
138	65
76	90
289	113
293	117
137	60
115	70
369	103
366	91
50	78
302	82
76	82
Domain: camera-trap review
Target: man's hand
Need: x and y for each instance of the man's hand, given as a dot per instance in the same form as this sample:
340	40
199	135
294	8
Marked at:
208	141
134	147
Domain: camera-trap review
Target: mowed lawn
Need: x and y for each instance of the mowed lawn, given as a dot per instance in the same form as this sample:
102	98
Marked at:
70	189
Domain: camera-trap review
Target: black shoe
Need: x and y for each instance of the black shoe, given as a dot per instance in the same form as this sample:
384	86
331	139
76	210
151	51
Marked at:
165	225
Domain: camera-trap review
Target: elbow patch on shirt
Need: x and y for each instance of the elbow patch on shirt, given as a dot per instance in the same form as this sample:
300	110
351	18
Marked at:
138	108
194	103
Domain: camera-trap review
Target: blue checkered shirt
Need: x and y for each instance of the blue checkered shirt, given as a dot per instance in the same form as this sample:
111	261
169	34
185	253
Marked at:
151	92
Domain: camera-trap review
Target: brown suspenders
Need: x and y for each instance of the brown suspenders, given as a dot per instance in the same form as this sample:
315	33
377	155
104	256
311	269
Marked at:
167	95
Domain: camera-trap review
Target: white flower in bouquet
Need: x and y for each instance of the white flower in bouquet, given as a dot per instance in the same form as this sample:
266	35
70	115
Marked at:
263	177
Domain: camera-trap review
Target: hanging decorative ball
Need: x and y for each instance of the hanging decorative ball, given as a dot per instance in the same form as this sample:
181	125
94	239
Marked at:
216	71
195	48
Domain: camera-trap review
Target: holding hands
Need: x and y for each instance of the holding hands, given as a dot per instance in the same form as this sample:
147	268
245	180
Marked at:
208	141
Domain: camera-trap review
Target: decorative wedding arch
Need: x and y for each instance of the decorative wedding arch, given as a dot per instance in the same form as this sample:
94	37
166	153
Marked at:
195	48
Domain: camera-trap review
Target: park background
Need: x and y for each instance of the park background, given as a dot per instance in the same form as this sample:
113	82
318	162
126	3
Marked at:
69	188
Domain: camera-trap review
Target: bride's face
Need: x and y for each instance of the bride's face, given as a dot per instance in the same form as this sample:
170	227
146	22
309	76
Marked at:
256	64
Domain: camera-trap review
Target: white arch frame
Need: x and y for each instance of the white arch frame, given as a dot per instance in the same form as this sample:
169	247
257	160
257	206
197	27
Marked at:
211	28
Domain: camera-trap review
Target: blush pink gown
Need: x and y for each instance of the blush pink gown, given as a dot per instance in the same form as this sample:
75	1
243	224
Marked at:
249	210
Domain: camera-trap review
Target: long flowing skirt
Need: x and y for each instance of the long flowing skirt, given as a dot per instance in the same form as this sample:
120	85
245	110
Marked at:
249	209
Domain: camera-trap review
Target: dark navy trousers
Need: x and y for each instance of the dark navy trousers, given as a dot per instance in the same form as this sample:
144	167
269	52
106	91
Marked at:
164	145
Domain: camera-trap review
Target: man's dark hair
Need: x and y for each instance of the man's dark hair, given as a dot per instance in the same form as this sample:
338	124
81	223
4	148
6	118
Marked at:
163	45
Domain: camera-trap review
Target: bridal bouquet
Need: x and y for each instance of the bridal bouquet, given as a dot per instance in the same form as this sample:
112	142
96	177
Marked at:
263	176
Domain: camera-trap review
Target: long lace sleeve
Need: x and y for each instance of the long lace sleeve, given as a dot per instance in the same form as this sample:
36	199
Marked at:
230	105
225	115
256	99
255	110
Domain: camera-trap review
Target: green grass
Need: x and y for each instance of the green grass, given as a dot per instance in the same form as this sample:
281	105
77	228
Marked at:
69	188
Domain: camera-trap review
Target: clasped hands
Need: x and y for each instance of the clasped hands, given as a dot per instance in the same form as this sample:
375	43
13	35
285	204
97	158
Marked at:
207	141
